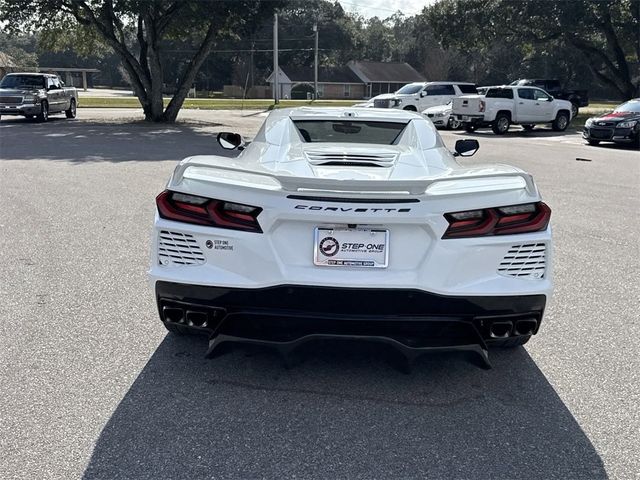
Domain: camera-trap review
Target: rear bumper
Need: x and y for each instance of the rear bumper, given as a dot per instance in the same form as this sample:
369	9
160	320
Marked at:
288	314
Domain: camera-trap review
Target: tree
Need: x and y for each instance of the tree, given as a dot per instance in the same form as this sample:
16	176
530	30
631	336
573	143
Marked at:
137	30
21	49
605	32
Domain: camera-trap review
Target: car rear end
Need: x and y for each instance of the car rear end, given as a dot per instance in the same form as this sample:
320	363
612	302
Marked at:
443	268
469	109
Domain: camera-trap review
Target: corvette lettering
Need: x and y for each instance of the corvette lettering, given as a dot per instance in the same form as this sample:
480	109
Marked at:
351	209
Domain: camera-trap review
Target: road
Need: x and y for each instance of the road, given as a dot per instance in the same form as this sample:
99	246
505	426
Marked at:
93	387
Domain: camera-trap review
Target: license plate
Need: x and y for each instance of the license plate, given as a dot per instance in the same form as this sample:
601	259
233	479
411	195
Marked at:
351	247
465	118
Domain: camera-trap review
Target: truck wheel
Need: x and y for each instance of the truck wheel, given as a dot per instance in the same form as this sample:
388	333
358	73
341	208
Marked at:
71	113
501	124
411	108
574	109
593	142
528	128
561	122
470	127
509	342
43	116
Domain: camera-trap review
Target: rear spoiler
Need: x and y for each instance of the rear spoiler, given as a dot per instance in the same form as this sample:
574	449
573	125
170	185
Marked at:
433	186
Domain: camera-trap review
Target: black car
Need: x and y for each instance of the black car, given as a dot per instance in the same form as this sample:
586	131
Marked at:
620	126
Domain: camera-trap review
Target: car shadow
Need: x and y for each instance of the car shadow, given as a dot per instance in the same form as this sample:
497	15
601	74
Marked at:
80	141
516	131
343	412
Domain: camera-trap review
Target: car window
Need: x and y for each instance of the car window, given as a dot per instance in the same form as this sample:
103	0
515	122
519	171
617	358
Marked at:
410	89
499	93
464	88
540	95
631	106
440	90
525	93
340	131
22	81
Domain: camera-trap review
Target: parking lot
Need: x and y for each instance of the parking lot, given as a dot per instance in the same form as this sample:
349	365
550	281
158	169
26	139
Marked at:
93	386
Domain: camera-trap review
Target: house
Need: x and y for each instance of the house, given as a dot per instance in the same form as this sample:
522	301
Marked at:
384	77
356	80
333	82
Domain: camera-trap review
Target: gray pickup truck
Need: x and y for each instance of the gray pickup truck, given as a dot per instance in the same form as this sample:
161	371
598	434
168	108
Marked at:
36	95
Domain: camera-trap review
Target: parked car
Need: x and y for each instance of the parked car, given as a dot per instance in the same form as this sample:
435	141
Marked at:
351	223
441	116
620	126
36	95
503	106
420	96
578	98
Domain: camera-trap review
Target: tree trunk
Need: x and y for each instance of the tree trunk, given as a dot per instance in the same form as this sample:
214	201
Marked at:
189	75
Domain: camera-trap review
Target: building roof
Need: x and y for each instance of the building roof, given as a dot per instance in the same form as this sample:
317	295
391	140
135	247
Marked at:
341	74
393	72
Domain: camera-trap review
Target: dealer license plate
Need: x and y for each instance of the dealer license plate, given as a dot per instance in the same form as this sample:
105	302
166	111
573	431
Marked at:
351	247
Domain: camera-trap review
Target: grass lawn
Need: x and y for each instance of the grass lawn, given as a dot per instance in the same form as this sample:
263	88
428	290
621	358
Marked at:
594	109
213	103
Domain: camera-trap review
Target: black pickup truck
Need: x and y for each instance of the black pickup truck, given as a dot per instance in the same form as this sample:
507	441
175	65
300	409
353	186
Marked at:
578	98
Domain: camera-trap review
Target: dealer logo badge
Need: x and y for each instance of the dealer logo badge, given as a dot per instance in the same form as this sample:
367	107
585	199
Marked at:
329	246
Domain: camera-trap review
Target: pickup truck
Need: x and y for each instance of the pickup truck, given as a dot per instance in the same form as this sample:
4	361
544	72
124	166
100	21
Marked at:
502	106
578	98
422	95
36	95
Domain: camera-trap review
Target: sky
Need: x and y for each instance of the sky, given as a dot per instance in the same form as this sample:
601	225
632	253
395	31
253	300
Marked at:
384	8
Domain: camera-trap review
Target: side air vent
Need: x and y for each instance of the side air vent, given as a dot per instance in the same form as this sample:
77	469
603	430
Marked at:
178	249
351	159
524	261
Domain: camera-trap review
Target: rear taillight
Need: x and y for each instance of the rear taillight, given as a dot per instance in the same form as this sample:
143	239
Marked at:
482	105
206	211
529	217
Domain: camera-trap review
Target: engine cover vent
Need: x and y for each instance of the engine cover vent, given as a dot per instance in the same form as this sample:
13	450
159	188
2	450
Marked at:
524	261
178	249
351	159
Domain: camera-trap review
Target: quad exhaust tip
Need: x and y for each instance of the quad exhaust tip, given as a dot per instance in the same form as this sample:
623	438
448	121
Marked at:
207	317
525	327
500	329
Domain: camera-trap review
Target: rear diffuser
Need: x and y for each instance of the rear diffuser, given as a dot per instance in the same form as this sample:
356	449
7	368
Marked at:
285	349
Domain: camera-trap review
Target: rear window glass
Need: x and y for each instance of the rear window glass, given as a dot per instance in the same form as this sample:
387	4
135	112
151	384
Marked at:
341	131
468	88
526	93
499	93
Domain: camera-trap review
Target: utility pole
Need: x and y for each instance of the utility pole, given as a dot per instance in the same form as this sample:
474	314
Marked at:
276	89
315	65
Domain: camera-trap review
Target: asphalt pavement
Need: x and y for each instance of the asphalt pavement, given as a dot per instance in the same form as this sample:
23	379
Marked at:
93	387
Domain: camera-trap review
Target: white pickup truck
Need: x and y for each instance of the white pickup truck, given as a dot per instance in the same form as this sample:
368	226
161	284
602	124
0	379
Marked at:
500	107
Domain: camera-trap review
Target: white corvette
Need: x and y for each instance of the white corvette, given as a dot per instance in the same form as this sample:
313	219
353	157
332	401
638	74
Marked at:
351	223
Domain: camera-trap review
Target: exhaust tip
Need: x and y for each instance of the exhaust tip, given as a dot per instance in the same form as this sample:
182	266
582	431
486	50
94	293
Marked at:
500	329
196	319
525	327
173	314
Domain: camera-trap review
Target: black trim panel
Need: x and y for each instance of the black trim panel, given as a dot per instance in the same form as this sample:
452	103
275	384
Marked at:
353	200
